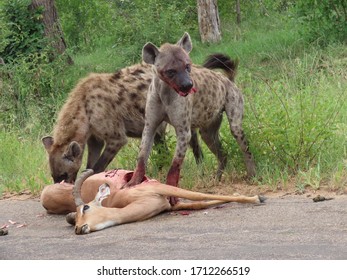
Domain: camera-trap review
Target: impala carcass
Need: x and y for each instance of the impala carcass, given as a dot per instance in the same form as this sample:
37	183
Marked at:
98	201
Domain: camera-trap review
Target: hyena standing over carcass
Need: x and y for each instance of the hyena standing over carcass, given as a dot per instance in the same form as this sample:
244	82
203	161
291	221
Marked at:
190	97
101	111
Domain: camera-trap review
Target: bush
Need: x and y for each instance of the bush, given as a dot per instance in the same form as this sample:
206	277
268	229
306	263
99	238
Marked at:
323	21
22	30
85	22
29	77
30	93
297	122
126	25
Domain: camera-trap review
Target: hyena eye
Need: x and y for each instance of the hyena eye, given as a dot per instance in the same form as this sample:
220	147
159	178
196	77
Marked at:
68	157
170	73
188	68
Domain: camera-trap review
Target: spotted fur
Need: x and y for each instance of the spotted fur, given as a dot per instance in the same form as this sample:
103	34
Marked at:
171	98
101	112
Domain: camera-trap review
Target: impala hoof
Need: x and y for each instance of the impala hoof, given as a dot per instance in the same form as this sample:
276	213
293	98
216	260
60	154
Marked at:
261	198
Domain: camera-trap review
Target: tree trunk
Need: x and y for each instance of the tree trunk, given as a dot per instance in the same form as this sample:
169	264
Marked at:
263	8
52	29
209	24
238	13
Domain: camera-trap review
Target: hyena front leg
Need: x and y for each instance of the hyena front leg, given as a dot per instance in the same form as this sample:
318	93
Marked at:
154	117
95	146
111	149
145	149
183	134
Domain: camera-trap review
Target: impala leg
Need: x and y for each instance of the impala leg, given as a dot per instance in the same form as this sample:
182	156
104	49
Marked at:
142	209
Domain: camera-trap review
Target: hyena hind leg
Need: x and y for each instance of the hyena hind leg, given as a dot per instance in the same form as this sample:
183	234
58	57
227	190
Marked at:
212	140
234	112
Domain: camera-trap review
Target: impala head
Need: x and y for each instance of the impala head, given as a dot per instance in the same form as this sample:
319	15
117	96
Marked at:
64	160
172	63
90	217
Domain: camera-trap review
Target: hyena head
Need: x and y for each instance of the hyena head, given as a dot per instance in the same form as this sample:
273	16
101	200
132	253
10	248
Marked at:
172	63
64	160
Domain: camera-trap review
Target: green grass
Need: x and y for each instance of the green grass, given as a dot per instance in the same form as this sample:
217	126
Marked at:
295	113
23	164
297	121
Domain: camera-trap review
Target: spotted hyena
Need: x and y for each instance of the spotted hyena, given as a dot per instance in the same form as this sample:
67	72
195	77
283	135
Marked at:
189	96
101	111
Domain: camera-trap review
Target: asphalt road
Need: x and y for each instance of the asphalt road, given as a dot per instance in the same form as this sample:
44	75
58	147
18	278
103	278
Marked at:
289	227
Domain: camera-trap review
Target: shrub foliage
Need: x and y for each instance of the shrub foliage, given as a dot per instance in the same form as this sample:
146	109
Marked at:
323	21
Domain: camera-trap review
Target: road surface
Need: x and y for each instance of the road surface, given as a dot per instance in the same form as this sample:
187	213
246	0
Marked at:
291	227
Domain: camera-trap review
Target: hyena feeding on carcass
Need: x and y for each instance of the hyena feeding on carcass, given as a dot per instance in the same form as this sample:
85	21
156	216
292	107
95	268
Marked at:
190	97
101	112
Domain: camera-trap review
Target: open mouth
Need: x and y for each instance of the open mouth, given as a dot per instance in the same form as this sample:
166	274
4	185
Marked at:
184	94
181	91
82	230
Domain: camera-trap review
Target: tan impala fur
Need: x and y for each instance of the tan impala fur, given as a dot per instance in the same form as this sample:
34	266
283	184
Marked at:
111	205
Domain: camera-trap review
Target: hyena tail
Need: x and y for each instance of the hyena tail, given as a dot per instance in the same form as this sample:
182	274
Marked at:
221	61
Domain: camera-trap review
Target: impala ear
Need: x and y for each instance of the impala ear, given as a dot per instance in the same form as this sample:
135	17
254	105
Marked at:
104	191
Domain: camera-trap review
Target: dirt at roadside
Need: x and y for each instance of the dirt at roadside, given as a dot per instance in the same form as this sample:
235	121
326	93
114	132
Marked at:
269	191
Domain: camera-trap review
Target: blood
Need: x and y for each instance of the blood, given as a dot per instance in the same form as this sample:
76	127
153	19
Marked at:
173	177
138	176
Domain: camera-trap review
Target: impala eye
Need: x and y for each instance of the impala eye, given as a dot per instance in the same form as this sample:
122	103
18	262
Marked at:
85	207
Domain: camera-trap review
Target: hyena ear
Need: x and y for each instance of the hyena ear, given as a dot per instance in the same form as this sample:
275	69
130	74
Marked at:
74	150
185	43
47	142
149	53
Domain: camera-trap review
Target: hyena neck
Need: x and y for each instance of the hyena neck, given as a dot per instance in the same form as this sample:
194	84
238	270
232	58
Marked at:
64	135
162	87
